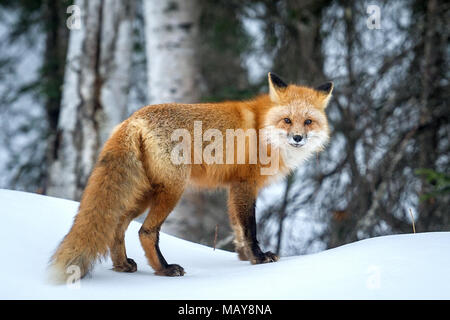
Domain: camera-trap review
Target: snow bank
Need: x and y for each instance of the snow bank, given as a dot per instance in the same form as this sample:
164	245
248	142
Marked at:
393	267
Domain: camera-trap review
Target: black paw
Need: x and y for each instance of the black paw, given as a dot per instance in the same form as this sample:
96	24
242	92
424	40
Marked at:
126	266
265	257
172	270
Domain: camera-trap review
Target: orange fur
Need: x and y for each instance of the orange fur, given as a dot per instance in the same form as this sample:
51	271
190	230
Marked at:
134	171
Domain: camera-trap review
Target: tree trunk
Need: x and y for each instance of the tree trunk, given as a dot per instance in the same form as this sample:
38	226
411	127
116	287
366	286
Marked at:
52	77
95	91
300	43
171	40
431	216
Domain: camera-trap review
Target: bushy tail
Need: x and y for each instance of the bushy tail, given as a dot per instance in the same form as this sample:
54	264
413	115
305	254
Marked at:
88	240
115	184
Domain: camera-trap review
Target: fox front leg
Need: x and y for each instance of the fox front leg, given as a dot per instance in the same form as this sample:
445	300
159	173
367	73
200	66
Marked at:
241	203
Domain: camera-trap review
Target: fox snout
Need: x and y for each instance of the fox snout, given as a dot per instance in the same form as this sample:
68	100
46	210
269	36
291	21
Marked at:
296	140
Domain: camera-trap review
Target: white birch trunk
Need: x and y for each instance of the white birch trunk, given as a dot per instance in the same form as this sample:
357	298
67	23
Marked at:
171	39
95	91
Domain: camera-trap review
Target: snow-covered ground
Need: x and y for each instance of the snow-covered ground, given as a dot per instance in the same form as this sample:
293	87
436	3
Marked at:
393	267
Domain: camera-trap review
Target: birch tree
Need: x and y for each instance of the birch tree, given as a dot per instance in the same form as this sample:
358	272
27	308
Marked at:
95	90
172	42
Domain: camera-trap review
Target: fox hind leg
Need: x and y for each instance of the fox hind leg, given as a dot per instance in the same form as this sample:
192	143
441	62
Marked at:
162	203
121	262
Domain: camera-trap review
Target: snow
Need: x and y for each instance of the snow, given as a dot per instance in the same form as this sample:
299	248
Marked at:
413	266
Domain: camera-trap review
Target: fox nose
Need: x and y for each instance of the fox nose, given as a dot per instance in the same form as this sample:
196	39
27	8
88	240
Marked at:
297	138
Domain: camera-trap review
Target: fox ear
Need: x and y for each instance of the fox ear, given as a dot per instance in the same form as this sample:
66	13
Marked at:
325	90
275	86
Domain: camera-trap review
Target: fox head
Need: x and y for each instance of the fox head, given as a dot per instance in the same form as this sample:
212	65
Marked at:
296	122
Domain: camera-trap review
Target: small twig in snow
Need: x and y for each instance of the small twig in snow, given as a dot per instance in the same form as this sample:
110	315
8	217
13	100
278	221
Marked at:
412	219
215	236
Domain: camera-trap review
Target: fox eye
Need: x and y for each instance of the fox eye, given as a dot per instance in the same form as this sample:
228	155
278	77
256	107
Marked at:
309	121
287	120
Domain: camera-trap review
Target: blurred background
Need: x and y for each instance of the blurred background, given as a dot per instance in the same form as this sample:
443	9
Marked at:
71	70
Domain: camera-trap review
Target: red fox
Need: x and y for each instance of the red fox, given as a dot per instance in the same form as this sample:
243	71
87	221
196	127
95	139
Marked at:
139	167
